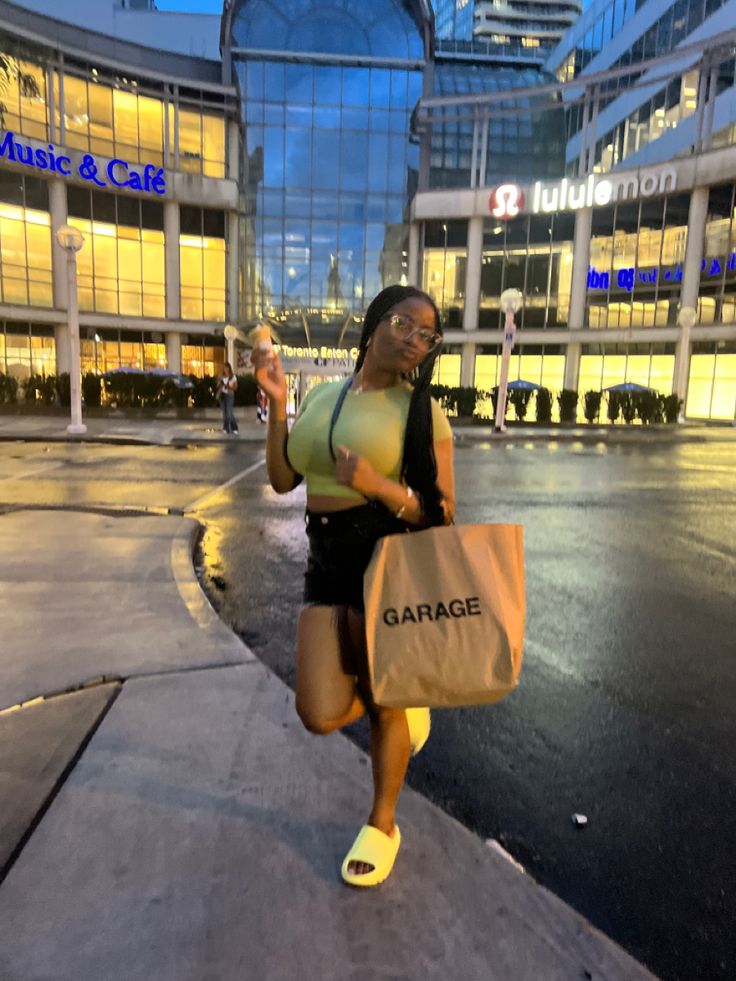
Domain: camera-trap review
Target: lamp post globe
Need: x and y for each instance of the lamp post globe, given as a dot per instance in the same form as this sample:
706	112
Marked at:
70	238
511	300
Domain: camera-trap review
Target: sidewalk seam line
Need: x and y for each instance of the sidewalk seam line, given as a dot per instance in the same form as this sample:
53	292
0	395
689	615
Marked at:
53	793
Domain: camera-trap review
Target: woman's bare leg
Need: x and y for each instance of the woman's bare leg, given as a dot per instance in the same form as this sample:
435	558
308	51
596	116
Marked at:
326	694
390	747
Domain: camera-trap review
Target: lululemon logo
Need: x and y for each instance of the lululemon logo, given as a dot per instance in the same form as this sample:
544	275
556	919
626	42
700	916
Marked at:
506	201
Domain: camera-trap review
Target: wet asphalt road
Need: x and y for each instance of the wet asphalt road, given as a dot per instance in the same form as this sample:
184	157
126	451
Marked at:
626	708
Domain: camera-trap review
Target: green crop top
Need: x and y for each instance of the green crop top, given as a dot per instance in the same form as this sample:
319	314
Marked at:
370	423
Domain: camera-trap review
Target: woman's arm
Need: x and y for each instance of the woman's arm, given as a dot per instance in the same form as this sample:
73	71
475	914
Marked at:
270	376
355	471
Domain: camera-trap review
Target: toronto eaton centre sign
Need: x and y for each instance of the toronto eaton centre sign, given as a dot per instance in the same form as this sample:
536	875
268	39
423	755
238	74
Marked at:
108	174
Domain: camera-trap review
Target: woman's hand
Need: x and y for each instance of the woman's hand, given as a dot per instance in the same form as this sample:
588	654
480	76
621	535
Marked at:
269	374
352	470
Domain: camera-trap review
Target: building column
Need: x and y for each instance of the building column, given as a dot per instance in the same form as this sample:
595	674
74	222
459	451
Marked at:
467	365
413	264
59	215
233	267
173	350
172	228
572	366
580	263
696	220
233	150
472	275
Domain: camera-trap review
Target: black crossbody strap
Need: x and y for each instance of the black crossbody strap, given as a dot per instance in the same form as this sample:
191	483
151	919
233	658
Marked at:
336	411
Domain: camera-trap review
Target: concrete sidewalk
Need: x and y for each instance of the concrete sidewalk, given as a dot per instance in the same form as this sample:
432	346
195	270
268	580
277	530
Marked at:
204	428
174	821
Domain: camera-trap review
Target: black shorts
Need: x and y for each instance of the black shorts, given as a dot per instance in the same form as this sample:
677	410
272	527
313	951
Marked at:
340	547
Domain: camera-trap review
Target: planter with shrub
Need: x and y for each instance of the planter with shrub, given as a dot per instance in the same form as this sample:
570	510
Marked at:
568	402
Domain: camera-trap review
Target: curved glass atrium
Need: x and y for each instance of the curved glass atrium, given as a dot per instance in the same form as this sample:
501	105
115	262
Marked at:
328	163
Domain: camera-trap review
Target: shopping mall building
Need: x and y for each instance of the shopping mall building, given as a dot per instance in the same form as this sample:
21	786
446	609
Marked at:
303	158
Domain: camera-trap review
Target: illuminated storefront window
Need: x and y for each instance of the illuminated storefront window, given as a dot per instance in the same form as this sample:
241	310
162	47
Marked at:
121	267
636	255
447	369
104	349
445	260
203	356
110	116
201	143
202	255
534	255
652	366
105	118
717	296
27	349
25	241
711	392
25	99
545	368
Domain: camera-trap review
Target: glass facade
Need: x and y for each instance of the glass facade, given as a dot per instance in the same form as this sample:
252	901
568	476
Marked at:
25	241
644	364
454	19
202	356
122	267
717	297
677	21
26	349
525	136
532	254
329	168
636	255
711	392
114	116
202	257
109	348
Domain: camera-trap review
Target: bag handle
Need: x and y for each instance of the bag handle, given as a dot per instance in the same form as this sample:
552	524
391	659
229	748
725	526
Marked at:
336	412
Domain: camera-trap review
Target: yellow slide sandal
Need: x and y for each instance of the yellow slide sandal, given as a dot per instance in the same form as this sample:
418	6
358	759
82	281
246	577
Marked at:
374	848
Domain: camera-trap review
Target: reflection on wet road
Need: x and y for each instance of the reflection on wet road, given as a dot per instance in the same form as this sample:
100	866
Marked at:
625	711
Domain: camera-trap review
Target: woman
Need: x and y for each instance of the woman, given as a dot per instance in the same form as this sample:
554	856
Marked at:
226	388
391	471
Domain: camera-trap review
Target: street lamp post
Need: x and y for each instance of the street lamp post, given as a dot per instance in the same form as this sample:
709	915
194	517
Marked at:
230	334
71	240
510	303
686	318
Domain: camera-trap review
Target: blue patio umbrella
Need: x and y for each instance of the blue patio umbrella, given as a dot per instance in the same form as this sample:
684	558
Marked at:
628	387
524	386
179	380
123	371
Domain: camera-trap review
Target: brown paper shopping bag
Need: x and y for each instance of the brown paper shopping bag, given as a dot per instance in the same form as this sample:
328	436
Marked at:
444	613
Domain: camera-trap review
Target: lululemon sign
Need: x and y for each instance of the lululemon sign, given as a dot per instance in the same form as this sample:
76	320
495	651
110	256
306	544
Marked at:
506	201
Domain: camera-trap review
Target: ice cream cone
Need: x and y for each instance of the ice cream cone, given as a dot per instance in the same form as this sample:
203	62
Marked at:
260	337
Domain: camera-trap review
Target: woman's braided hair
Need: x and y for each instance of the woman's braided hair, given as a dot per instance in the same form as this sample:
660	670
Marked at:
419	464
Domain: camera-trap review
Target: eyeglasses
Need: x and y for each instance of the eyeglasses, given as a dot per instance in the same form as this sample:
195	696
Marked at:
405	329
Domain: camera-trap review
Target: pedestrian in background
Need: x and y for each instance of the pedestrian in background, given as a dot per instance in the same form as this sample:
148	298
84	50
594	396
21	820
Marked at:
227	385
392	471
261	406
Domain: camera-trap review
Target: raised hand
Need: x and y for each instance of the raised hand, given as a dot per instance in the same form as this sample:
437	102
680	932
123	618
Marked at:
269	373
